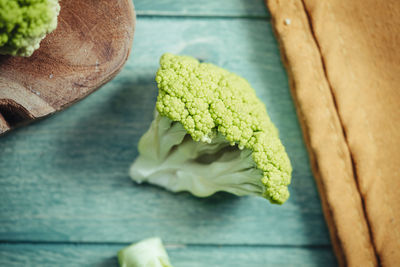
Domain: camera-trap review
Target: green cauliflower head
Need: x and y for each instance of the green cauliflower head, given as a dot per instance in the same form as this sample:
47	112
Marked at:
211	133
24	23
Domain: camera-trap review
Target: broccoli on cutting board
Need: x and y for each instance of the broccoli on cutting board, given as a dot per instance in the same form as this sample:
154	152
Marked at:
24	24
211	133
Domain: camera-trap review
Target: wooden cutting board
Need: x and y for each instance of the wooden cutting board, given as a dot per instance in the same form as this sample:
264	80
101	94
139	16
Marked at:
89	47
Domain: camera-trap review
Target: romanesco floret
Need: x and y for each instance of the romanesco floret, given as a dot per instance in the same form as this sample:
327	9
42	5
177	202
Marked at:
211	133
24	23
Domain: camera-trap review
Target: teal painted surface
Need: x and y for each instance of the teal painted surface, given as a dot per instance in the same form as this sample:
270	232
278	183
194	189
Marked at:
181	256
64	180
207	8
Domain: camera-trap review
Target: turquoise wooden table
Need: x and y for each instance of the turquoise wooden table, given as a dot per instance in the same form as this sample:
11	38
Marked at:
65	195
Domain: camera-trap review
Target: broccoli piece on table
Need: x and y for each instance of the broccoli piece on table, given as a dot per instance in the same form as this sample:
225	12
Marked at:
211	133
24	23
146	253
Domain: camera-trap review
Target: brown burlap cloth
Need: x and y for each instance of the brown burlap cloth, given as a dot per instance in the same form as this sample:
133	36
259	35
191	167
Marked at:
343	60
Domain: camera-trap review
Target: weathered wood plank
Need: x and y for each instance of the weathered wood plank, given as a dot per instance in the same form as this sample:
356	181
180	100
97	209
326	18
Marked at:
181	256
208	8
71	63
66	177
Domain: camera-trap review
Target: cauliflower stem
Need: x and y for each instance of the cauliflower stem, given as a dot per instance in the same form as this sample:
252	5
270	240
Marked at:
179	163
146	253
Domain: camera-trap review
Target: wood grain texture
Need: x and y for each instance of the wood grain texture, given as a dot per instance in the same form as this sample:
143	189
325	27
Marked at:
90	45
181	256
64	180
206	8
66	177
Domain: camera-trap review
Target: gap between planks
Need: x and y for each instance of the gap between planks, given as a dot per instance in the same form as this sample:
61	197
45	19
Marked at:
175	15
170	245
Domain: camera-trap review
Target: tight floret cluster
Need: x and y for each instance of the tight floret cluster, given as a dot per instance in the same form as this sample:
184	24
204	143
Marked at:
24	23
233	145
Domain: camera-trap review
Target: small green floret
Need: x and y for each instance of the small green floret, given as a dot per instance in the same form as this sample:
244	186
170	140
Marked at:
24	23
234	146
